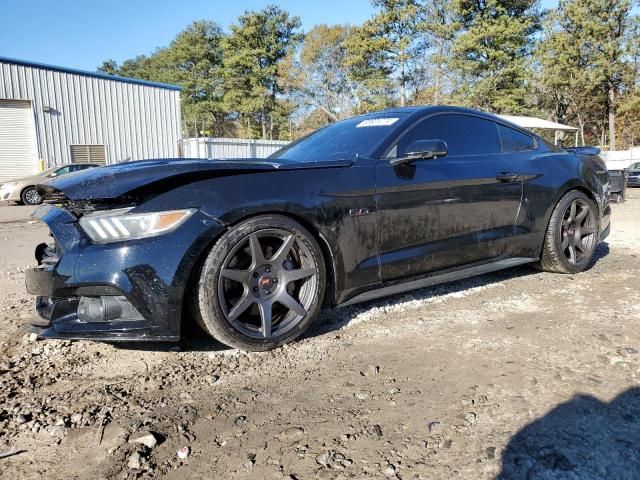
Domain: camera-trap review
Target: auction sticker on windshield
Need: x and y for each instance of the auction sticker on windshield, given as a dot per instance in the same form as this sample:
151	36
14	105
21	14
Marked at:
377	122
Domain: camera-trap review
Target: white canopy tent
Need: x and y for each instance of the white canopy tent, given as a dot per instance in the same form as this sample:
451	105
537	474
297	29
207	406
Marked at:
539	123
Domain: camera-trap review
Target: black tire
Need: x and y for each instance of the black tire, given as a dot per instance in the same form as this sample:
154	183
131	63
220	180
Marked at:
558	258
210	303
30	196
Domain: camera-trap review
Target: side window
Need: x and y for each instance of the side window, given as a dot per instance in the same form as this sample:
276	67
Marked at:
515	141
62	171
464	134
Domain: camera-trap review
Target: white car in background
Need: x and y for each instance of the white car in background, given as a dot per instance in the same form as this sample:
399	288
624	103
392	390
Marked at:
23	190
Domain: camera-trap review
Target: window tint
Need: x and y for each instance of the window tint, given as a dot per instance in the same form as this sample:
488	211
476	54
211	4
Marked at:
464	134
63	171
514	141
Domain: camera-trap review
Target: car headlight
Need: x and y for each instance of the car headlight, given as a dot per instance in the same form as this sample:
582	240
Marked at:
8	187
118	225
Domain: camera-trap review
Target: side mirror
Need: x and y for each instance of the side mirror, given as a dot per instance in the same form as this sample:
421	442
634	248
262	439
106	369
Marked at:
53	174
422	150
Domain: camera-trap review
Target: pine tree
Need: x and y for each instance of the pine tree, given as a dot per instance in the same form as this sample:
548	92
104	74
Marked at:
385	49
491	52
192	60
253	51
584	59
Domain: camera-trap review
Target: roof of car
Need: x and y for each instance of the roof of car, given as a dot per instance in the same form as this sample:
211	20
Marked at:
421	110
425	109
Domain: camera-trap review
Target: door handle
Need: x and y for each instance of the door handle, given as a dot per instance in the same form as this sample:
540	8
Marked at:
507	176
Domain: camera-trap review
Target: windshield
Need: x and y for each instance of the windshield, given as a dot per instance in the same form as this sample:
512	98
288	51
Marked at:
358	136
49	170
635	166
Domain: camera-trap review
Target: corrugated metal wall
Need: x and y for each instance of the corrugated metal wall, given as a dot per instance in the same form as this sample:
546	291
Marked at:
209	147
134	121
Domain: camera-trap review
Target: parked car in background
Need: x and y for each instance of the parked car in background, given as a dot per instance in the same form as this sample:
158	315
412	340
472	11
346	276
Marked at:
634	175
363	208
23	190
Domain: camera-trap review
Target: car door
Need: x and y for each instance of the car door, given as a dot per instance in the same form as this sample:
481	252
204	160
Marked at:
444	212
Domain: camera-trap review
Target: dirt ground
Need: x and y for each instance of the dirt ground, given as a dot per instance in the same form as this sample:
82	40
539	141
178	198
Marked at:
513	375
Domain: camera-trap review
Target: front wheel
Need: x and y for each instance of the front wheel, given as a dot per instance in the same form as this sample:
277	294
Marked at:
572	235
30	196
261	285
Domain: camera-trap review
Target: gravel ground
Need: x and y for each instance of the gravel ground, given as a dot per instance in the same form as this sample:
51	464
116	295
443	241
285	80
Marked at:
512	375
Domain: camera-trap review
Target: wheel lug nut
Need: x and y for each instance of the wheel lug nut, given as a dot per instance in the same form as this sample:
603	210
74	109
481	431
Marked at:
255	274
267	269
268	292
274	280
255	289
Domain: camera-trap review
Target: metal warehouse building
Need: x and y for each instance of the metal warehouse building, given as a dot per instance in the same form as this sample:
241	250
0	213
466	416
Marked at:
52	115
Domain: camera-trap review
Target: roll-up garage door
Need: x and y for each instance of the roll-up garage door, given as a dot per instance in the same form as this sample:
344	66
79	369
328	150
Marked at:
18	151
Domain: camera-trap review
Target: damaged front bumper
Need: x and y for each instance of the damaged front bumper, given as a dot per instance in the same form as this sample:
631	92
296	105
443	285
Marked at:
131	290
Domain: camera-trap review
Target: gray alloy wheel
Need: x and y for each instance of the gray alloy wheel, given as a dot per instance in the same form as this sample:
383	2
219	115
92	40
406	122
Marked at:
578	232
572	235
267	283
261	285
30	196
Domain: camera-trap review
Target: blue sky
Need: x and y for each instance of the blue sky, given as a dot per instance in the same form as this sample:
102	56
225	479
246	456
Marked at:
83	33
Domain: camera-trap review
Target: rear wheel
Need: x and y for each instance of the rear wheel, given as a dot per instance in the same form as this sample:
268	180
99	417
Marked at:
261	285
30	196
571	237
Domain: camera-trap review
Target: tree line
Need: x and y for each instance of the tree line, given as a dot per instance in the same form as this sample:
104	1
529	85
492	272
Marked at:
264	77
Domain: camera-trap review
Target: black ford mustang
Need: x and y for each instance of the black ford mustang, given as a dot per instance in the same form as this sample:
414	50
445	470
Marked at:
366	207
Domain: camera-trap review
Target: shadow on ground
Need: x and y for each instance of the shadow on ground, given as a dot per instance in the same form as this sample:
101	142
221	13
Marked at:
580	439
194	339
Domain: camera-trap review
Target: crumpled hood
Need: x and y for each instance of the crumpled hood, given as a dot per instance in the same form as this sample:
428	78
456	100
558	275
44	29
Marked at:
107	183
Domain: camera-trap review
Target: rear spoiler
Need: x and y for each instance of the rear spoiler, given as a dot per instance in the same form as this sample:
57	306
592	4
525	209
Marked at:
584	150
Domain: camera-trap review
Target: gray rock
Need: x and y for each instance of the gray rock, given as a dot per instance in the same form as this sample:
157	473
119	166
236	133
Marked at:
434	427
389	471
370	371
470	418
146	438
491	452
323	458
290	433
114	435
57	432
135	461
